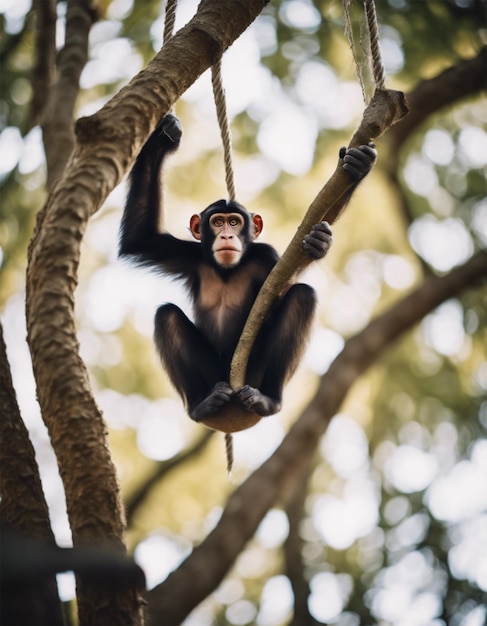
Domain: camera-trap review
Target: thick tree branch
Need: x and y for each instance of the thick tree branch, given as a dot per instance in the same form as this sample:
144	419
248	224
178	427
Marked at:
171	601
23	507
107	143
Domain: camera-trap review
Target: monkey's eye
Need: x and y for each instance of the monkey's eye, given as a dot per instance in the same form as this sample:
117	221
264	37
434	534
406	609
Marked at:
218	222
233	222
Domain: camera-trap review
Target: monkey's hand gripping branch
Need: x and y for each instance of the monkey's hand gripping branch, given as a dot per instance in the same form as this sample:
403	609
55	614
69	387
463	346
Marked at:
385	109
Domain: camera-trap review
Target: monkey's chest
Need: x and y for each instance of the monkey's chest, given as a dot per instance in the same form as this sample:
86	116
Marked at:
222	306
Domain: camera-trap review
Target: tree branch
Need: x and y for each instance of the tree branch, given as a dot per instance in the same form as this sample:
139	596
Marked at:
45	59
295	500
385	109
23	506
106	144
138	497
57	126
430	96
171	601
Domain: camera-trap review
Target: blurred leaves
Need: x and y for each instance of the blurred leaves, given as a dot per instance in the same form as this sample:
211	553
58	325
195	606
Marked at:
419	400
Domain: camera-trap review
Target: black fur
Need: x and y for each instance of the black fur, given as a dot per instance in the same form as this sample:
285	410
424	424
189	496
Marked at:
197	356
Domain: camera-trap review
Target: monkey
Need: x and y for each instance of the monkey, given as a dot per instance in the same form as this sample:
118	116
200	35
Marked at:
223	271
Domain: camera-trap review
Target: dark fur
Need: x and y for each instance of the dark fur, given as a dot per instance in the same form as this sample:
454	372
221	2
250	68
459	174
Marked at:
197	356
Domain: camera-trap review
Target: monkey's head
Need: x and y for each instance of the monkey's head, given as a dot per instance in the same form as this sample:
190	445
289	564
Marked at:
225	229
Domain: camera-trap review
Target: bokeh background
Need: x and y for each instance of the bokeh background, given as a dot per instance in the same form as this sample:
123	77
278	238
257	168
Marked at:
395	529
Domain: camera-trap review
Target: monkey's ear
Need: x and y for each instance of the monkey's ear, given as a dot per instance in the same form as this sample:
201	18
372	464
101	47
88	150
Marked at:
258	225
195	226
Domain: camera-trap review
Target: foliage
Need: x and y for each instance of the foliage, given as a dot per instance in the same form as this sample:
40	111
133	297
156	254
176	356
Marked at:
391	528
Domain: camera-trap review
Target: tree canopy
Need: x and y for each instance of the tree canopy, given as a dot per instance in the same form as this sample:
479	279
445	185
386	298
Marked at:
363	501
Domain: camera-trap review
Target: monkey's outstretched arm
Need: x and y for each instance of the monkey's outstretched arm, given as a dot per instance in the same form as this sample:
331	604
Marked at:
143	207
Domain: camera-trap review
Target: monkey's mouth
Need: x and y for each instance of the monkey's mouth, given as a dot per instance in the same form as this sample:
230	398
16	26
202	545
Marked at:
227	250
227	257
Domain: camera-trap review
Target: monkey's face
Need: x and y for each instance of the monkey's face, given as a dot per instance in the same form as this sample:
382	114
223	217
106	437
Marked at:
227	244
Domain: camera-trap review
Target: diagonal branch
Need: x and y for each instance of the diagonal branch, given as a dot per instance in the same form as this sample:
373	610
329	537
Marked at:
171	601
465	79
106	144
430	96
385	109
139	496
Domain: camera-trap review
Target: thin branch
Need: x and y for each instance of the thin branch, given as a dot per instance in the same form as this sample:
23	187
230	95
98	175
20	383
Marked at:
57	126
294	504
385	109
465	79
430	96
43	72
200	574
139	496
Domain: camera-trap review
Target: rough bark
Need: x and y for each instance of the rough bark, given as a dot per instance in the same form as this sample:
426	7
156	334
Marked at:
106	144
171	601
23	508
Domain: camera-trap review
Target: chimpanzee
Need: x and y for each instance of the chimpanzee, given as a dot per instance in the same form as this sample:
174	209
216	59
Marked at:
223	271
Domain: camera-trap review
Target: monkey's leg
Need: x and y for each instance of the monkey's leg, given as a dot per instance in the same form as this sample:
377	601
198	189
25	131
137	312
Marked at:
278	350
191	363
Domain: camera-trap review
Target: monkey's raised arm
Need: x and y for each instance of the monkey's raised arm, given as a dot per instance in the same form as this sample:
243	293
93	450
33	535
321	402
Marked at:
139	232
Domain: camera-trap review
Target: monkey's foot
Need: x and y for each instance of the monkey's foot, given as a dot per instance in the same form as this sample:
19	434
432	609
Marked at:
220	395
255	401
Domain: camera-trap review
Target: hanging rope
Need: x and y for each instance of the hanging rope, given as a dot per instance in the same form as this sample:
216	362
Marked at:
221	112
370	48
378	71
169	20
349	35
229	452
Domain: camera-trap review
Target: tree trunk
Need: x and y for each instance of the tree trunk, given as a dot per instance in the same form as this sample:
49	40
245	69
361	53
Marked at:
24	512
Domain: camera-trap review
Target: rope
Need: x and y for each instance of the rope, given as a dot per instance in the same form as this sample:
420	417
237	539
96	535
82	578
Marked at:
169	20
370	48
349	35
229	451
221	112
377	65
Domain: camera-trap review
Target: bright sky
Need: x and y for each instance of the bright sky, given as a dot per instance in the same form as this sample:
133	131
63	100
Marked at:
455	493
